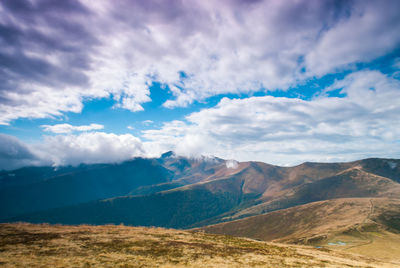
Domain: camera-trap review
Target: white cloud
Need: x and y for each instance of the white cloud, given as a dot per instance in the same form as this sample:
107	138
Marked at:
37	101
285	131
89	148
290	131
67	128
119	48
371	30
233	164
147	122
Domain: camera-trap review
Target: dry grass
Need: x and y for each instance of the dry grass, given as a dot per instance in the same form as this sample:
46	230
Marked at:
365	226
299	224
27	245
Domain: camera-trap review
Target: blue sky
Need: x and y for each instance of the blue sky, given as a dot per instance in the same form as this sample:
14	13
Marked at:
282	82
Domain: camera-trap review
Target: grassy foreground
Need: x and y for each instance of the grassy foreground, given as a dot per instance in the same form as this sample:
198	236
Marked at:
28	245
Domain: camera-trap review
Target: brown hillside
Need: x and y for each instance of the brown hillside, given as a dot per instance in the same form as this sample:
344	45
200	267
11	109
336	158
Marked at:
356	221
26	245
348	183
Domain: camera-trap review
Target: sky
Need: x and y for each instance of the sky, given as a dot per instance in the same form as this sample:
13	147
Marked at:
283	82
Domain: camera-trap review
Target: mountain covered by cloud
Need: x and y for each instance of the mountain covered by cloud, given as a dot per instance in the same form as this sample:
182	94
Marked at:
88	148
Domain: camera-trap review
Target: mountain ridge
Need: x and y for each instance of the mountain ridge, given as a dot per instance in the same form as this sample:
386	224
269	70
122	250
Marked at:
206	191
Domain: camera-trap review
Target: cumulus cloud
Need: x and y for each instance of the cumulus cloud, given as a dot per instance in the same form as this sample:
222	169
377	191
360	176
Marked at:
54	56
90	148
364	123
67	128
15	154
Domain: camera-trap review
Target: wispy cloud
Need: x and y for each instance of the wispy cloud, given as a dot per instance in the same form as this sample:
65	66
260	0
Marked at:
147	122
67	128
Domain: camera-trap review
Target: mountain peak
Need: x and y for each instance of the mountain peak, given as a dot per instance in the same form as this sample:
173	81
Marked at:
167	154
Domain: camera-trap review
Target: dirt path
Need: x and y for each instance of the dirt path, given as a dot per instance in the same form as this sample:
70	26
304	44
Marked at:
367	237
371	211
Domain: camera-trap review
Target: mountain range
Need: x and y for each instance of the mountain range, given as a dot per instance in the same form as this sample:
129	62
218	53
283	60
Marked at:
312	203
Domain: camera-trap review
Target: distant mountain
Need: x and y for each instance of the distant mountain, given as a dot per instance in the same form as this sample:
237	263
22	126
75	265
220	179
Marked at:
178	208
39	188
199	192
34	189
352	182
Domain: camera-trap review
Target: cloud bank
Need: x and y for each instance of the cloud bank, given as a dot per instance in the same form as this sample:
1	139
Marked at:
59	150
54	56
90	148
362	124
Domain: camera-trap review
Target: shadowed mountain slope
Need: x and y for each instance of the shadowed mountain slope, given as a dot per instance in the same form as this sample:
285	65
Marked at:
253	188
177	208
389	168
51	189
35	189
182	207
